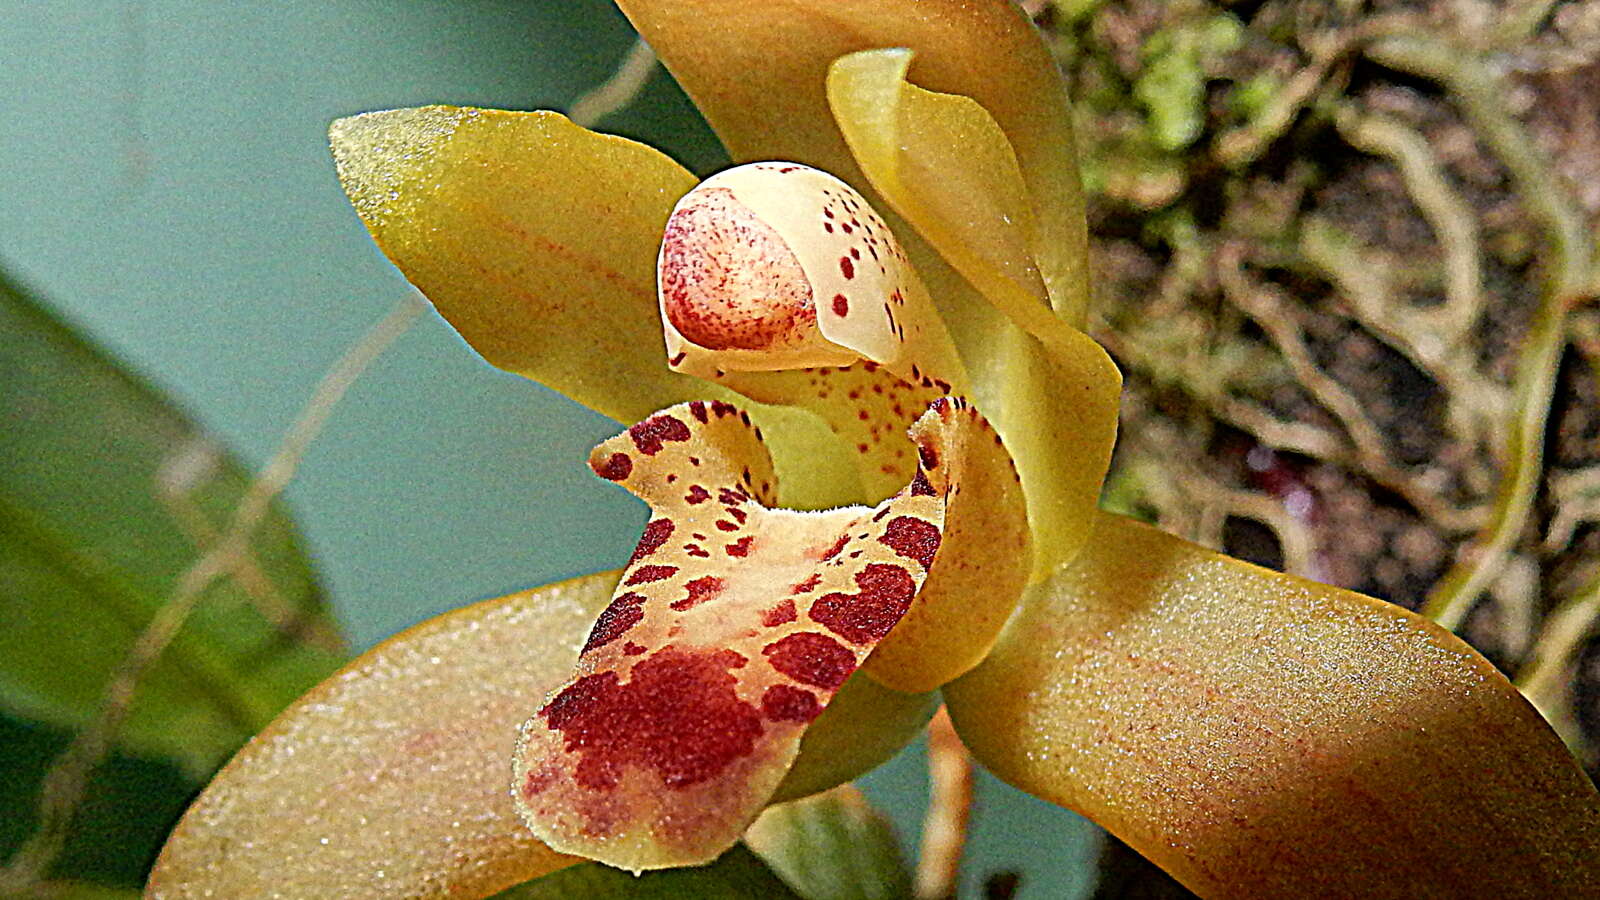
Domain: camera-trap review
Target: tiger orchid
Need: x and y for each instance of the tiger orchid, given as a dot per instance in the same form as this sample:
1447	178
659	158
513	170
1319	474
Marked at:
871	435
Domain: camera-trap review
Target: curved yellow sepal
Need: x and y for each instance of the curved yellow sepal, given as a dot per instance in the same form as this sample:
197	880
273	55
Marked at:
533	237
1230	722
758	76
947	167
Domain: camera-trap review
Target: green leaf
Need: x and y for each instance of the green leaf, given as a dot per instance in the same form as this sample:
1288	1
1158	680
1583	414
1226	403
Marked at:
130	805
832	845
736	875
107	493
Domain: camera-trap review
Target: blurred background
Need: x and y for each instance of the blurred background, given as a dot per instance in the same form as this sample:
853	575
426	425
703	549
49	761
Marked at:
1345	256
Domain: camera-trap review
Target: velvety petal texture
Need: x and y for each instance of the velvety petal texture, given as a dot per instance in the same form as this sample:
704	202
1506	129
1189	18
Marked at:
388	779
1259	735
732	629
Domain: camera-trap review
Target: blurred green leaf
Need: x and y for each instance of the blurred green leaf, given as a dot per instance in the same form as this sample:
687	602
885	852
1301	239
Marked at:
832	845
107	494
130	805
736	875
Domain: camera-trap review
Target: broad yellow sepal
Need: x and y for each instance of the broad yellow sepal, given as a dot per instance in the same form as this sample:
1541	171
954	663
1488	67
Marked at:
1260	735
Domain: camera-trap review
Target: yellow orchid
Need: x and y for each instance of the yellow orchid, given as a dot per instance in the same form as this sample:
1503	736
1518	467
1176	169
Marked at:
773	332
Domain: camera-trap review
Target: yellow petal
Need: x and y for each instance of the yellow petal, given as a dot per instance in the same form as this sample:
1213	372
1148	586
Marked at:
757	69
947	168
732	629
536	239
1258	735
388	779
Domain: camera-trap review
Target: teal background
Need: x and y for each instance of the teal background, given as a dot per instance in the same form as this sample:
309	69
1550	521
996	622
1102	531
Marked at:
165	181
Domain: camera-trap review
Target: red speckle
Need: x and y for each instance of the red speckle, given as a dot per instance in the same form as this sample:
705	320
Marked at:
698	410
699	591
837	548
542	779
655	534
728	280
696	551
841	305
920	487
810	584
647	574
913	539
650	434
847	267
621	614
725	525
723	409
865	617
928	455
678	717
731	496
786	703
617	467
697	494
741	547
738	514
782	614
812	658
632	649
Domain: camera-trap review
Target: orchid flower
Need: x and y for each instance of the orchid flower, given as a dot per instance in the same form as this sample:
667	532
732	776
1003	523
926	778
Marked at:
872	435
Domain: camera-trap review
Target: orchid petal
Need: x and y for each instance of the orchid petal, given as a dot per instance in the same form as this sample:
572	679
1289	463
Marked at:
758	76
776	280
1225	720
389	778
732	629
536	240
524	232
947	167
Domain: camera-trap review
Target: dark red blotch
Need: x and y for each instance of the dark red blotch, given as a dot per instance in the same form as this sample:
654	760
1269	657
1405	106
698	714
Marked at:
782	614
699	591
812	658
678	717
652	433
621	614
655	534
615	468
647	574
912	538
786	703
865	617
